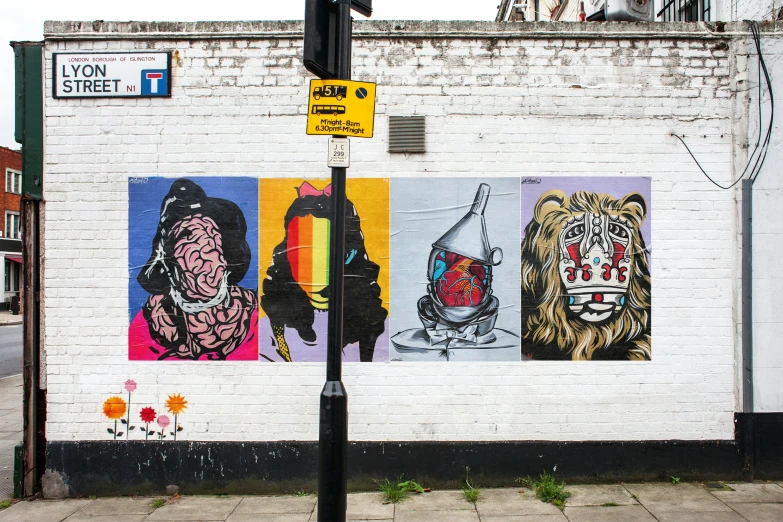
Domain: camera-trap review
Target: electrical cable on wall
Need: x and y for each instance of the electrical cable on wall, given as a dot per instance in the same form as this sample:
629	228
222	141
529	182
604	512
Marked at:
764	147
754	27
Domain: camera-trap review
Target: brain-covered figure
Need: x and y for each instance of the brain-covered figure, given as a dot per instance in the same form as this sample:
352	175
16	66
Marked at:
198	251
196	308
217	330
459	280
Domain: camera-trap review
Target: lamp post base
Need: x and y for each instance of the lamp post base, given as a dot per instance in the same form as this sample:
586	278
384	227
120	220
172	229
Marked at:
333	453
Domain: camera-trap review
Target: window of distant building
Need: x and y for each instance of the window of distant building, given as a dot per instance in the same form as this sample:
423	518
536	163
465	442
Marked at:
12	225
13	181
11	276
685	11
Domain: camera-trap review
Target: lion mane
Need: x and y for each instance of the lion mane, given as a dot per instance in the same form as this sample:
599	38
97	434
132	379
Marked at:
549	331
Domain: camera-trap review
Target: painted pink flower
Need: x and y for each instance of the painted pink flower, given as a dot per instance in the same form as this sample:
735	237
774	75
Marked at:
163	421
130	385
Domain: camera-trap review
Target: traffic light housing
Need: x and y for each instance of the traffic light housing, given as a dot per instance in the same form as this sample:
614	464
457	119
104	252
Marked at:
320	38
320	34
363	6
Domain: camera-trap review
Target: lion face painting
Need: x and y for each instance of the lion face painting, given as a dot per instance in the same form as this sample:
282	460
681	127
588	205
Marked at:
586	278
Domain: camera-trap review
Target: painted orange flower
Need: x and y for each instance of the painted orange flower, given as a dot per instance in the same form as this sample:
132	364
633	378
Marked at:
176	403
114	408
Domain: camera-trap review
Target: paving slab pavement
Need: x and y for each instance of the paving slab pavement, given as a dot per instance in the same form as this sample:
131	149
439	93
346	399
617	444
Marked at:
437	516
676	499
750	493
42	511
277	505
599	495
270	517
435	501
608	514
658	502
112	507
201	509
505	502
759	512
107	518
7	318
368	506
10	430
526	518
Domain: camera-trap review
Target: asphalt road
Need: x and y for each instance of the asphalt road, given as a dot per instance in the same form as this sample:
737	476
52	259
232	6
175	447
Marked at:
10	350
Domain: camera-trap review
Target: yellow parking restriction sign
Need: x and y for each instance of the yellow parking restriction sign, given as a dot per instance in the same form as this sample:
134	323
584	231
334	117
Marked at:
341	107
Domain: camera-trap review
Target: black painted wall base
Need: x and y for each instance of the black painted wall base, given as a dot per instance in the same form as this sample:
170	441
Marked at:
140	467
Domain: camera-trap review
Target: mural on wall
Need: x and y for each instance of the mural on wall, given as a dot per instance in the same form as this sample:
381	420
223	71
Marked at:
115	408
294	250
196	259
467	308
585	269
193	269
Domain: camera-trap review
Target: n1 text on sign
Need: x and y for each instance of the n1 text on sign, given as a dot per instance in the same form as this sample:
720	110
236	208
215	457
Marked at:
111	75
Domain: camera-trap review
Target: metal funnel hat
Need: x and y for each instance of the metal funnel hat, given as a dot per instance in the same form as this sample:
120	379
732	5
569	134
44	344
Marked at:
469	236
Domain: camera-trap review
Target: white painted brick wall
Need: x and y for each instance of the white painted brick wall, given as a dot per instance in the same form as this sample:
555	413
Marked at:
516	106
767	236
753	9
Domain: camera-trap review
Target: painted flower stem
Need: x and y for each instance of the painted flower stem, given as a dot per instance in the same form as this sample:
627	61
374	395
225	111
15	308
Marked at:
147	433
127	426
115	429
175	426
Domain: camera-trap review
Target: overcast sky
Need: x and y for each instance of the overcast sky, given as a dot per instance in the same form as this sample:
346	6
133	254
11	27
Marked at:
23	20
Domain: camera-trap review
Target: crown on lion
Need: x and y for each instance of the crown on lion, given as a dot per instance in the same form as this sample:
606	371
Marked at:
594	258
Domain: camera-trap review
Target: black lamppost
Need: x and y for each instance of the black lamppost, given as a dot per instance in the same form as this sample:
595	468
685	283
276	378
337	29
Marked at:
327	54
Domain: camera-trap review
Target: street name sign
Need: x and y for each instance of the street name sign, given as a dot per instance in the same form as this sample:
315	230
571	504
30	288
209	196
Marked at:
112	75
341	107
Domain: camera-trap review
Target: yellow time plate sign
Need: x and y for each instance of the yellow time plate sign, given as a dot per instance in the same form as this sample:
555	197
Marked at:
341	107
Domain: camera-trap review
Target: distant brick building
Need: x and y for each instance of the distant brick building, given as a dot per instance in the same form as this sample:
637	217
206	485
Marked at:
10	243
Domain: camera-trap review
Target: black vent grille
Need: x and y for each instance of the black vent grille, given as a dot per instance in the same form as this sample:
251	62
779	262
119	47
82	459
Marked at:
406	134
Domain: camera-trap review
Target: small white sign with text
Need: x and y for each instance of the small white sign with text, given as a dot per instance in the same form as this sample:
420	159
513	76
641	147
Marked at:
112	75
339	152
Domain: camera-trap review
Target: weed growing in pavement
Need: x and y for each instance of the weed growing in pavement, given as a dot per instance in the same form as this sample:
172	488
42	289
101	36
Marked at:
157	502
302	493
610	504
469	490
5	504
548	489
398	491
675	480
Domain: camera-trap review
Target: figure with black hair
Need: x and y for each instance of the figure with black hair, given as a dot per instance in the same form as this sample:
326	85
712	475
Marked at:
296	290
196	310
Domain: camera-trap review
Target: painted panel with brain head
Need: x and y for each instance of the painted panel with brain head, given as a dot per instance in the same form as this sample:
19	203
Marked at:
585	257
193	269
